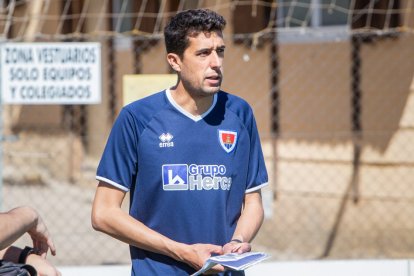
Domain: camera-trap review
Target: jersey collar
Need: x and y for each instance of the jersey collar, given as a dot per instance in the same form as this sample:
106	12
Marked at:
185	112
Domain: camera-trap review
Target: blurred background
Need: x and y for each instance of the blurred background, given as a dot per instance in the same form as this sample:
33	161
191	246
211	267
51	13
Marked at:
332	87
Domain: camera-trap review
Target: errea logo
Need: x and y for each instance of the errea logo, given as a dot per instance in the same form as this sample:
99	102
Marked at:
165	139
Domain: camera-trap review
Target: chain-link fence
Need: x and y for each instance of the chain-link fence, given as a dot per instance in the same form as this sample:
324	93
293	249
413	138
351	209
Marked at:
335	113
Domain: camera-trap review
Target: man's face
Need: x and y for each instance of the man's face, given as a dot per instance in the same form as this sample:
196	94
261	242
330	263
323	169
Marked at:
201	66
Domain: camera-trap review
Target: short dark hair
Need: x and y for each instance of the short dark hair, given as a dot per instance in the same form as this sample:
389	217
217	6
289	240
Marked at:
190	23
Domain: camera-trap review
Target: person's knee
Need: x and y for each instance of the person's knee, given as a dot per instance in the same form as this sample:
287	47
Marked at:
51	271
42	266
48	270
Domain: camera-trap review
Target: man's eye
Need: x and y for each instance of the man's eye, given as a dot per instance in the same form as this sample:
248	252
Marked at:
203	54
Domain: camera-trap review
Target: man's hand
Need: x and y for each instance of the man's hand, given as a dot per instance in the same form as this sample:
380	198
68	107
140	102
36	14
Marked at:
42	240
197	254
24	219
236	247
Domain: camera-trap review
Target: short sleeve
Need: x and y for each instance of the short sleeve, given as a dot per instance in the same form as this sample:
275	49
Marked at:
257	173
118	164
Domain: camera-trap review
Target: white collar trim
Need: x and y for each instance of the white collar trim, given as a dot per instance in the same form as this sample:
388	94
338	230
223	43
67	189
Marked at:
185	112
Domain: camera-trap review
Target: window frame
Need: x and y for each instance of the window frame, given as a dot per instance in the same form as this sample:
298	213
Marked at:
316	32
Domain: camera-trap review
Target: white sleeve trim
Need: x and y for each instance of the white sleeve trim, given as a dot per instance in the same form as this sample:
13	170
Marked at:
256	188
106	180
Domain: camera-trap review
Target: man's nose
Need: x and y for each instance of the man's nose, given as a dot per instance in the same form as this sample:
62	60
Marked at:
216	61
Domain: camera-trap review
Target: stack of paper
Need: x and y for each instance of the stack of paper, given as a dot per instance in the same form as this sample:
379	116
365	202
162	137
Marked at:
233	261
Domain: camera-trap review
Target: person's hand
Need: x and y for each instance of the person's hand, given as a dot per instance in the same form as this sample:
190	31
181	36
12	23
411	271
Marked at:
236	247
42	240
42	266
198	253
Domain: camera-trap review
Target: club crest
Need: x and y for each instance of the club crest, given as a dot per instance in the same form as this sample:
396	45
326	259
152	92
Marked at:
228	140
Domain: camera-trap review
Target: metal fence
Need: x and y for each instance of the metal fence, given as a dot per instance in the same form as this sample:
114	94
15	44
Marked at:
336	118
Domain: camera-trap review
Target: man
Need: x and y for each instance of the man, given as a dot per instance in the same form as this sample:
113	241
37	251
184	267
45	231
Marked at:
14	224
190	156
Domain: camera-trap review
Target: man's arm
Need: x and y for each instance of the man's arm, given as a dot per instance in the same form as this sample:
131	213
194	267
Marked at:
108	217
248	224
16	222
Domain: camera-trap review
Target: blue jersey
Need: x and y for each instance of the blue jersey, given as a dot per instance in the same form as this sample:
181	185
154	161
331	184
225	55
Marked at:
187	175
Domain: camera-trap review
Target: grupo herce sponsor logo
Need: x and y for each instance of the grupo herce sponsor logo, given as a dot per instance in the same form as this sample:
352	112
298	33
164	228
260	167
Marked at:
183	177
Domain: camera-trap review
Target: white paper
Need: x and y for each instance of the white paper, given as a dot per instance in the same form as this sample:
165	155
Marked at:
233	261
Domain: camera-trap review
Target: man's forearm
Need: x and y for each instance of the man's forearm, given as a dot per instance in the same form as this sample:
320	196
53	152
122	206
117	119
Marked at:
250	219
120	225
15	223
110	218
123	227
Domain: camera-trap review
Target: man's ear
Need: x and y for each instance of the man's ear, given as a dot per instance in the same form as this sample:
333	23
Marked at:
174	61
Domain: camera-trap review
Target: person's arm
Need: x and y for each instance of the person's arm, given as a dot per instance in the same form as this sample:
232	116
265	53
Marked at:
18	221
248	224
108	217
15	223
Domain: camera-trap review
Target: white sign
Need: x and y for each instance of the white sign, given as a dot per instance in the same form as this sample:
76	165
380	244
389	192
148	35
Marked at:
51	73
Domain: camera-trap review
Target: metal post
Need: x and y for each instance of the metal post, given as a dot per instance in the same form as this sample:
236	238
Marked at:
1	146
1	131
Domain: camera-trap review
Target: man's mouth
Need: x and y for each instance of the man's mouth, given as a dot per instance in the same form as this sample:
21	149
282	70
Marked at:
214	78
